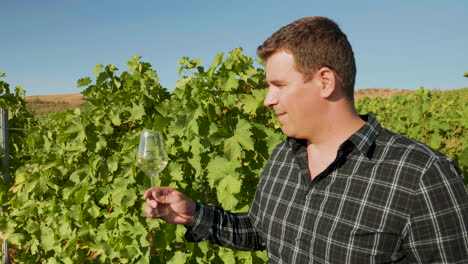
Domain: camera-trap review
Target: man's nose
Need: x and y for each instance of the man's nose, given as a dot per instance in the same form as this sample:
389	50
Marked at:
271	98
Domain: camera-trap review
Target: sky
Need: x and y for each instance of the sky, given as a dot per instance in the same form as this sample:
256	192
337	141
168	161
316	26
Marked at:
47	45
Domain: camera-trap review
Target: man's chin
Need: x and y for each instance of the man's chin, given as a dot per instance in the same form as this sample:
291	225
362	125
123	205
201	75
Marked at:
287	132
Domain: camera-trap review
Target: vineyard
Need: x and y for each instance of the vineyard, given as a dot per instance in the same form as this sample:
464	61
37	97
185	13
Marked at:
75	194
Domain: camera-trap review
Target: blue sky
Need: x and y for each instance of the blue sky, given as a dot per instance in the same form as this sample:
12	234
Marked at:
47	45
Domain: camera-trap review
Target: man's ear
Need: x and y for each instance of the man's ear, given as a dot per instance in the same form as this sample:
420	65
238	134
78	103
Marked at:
327	79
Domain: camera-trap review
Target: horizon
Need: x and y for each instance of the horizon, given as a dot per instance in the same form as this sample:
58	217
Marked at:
51	44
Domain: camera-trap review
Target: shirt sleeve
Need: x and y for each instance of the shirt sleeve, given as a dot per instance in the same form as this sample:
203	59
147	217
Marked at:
439	217
230	230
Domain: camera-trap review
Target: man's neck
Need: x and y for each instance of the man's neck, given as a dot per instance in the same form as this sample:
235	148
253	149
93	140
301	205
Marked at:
335	129
322	149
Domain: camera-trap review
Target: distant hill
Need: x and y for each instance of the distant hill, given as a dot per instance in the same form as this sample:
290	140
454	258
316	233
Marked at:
43	104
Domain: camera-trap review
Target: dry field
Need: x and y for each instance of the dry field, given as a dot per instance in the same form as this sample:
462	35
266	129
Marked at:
43	104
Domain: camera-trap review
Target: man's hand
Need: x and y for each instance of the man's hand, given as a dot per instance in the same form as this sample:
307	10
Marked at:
180	209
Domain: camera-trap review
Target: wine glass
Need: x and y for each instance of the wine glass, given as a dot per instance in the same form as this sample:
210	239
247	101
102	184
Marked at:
152	159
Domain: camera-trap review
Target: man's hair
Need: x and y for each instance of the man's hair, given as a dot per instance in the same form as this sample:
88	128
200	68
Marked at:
315	42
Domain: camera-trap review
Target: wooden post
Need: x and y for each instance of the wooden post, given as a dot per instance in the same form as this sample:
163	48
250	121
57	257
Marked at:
6	166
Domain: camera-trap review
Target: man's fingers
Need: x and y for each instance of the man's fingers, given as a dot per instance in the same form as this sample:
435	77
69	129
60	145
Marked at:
148	194
149	210
165	195
158	193
178	208
152	203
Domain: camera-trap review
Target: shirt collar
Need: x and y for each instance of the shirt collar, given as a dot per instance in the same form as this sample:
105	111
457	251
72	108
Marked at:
363	139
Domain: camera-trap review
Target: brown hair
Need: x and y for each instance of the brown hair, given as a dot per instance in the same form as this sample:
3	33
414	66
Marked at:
315	42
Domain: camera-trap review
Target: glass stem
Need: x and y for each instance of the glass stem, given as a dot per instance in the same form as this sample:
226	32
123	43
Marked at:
153	181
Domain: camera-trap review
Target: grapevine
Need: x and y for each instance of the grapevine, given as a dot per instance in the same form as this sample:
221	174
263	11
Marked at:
75	194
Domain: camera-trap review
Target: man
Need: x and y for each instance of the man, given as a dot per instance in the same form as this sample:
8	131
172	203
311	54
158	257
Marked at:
340	188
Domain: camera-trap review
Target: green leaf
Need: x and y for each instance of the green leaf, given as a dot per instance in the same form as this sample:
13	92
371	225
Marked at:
93	210
226	188
106	128
41	186
100	143
112	163
75	127
464	158
231	83
216	62
179	257
83	82
195	160
65	230
232	148
160	123
47	238
114	116
414	117
76	213
259	256
15	238
136	112
80	194
243	134
186	63
97	70
123	197
133	63
175	170
240	140
227	256
164	108
218	168
244	256
250	103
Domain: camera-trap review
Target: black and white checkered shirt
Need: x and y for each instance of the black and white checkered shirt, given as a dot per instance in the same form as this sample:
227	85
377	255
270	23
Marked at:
384	199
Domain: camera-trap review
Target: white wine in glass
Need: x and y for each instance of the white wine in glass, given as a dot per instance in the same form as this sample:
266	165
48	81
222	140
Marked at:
152	158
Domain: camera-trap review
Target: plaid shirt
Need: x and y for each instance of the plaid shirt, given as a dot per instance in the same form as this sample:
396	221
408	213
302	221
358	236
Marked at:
385	198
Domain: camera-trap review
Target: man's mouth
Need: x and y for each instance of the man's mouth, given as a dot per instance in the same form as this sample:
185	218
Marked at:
281	116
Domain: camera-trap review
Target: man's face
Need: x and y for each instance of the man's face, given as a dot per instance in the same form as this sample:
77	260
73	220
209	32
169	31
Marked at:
297	103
